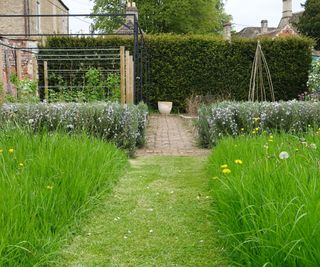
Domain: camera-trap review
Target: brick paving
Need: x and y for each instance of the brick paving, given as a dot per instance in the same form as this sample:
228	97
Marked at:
170	135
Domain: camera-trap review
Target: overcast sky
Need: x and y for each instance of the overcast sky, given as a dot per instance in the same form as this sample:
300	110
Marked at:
244	12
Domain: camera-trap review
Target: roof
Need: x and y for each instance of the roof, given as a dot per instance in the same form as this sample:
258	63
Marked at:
252	32
285	31
126	29
63	4
282	29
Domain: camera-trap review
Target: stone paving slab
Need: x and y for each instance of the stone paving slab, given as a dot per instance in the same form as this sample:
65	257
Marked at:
170	135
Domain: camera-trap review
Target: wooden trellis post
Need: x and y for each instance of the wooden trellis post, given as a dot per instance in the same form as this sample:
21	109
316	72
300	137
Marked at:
123	74
129	78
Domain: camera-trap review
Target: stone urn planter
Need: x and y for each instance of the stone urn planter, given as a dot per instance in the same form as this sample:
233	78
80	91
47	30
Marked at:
164	107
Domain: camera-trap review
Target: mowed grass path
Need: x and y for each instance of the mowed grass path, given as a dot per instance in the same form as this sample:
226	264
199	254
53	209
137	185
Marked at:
158	215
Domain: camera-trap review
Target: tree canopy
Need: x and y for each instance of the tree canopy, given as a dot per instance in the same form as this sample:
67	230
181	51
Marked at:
165	16
309	23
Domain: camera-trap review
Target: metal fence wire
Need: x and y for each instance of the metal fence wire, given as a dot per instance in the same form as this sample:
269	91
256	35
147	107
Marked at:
65	68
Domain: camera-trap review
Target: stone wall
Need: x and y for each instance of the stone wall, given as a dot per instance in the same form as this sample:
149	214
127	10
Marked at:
46	25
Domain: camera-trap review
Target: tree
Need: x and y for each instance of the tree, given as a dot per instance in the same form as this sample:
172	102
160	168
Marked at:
309	23
166	16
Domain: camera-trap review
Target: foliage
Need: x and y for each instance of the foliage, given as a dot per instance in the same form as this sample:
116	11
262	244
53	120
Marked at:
96	87
266	199
314	77
184	65
48	183
168	16
309	23
240	118
112	122
26	90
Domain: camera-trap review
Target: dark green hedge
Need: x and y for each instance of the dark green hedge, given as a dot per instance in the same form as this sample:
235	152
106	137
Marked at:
184	65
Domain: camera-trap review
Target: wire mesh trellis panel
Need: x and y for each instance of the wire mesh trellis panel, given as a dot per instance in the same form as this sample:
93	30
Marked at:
71	68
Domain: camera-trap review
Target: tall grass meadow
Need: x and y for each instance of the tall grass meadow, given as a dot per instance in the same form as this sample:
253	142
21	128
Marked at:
48	182
266	192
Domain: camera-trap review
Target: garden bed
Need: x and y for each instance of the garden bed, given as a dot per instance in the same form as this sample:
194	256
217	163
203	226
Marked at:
124	126
255	118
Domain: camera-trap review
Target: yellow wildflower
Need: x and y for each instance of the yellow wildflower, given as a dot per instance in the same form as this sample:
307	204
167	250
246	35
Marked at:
257	129
238	161
226	171
253	131
21	164
50	187
242	129
256	119
224	166
11	150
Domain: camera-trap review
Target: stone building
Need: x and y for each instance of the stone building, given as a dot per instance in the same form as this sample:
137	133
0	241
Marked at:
287	24
33	25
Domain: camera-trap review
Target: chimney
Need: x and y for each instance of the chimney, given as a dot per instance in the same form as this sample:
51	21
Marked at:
131	10
287	9
264	26
227	31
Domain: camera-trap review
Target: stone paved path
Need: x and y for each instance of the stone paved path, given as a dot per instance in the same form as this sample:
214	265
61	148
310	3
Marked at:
170	135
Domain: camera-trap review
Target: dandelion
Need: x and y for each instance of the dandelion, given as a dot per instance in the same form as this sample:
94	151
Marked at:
242	129
313	146
21	164
226	171
257	129
50	187
238	161
284	155
224	166
11	150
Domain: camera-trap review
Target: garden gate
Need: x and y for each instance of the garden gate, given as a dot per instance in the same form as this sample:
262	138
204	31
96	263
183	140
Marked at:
66	67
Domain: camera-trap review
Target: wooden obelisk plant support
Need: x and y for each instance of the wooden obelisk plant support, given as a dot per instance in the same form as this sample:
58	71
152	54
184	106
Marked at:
259	74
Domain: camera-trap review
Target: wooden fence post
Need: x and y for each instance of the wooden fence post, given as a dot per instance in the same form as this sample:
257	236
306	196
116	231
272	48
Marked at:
123	74
128	84
46	84
18	64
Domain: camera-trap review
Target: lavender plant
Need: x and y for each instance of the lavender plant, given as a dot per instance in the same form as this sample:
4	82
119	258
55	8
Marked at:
239	118
112	122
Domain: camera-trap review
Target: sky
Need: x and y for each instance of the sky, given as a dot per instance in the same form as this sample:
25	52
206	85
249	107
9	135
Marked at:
244	12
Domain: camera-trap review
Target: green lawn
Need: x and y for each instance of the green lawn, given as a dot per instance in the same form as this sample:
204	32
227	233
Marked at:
158	215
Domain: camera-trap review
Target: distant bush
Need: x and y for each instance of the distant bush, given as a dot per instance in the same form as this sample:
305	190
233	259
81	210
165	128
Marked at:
238	118
112	122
